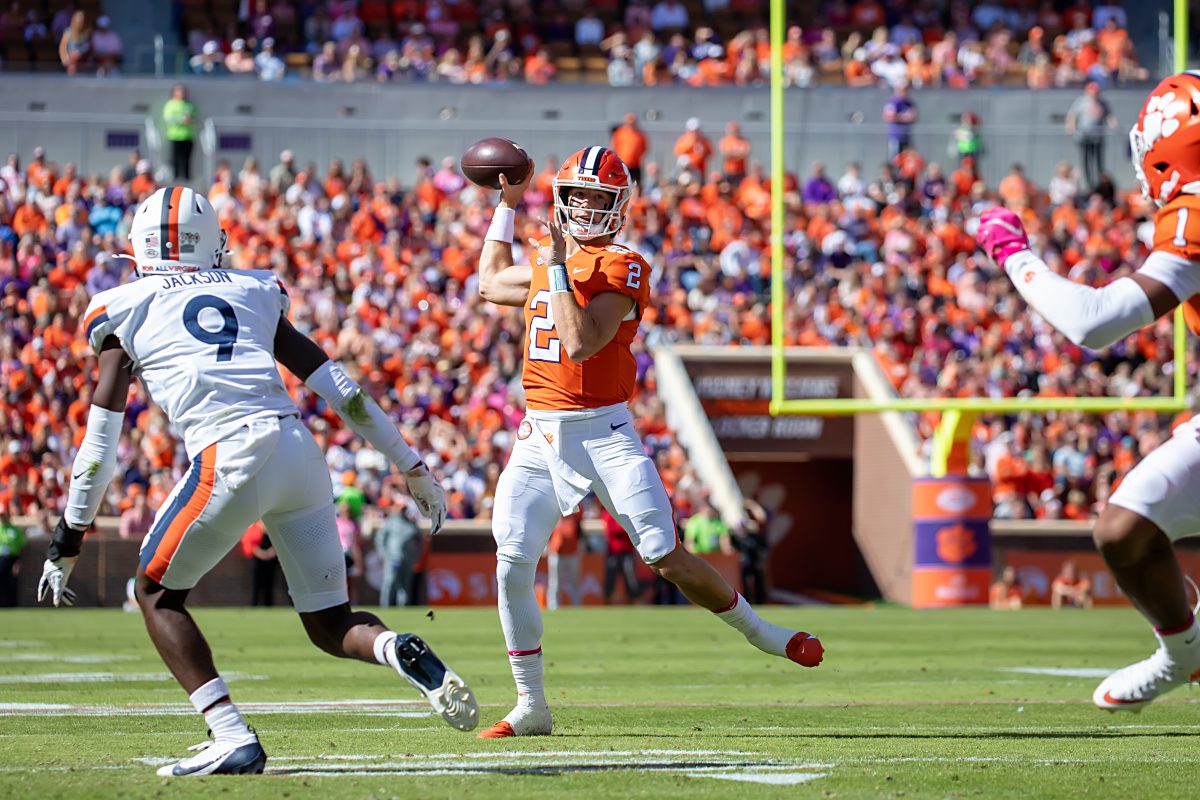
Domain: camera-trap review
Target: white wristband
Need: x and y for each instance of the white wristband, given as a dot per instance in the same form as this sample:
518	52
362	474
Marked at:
503	223
557	275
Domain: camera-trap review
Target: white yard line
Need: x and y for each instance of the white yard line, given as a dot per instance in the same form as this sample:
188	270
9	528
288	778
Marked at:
1062	672
111	677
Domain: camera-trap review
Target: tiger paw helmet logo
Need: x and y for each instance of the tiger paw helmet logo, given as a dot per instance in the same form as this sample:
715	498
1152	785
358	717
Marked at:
955	544
1160	121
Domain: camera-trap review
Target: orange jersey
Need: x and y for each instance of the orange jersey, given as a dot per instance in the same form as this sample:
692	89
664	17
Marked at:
1177	231
553	382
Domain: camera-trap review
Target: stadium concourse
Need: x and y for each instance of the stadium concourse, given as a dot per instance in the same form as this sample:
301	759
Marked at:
382	274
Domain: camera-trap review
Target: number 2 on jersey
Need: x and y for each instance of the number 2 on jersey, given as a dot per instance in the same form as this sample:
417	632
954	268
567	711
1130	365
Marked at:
223	337
552	350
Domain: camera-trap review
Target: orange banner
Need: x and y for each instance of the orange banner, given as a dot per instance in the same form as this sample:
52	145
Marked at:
469	579
945	587
952	498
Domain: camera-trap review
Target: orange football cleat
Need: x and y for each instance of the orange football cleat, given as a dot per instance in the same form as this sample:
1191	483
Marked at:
501	730
805	649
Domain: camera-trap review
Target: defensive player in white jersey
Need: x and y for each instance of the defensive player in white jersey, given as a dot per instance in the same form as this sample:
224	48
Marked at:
1158	502
583	297
204	342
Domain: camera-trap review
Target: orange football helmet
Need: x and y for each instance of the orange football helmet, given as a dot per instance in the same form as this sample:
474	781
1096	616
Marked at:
1165	142
592	168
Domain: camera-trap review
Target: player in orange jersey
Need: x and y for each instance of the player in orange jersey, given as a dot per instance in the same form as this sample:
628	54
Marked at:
1159	501
583	297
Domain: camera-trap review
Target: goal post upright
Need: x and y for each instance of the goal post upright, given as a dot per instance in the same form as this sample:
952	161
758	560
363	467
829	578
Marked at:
957	413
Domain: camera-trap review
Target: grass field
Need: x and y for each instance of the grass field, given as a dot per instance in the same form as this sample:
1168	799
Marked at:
648	703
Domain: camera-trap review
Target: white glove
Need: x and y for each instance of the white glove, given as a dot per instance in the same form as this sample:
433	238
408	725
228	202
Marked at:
55	575
429	496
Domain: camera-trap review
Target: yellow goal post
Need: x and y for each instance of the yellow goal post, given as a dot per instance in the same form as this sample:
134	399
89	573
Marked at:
957	412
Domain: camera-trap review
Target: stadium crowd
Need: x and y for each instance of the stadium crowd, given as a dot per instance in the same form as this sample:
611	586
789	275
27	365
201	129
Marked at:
951	43
382	273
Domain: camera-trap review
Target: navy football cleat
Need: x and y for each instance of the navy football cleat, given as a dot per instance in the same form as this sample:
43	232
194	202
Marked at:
447	693
244	757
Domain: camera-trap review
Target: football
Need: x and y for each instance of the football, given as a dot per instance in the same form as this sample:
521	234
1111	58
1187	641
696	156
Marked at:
485	160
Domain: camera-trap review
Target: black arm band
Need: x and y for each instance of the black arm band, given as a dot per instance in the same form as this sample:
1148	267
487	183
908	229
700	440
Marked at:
66	543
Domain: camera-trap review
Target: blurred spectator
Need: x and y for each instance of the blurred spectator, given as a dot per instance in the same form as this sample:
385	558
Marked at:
351	494
900	113
1071	589
107	47
589	30
618	560
965	141
75	46
268	64
179	114
630	144
540	68
706	532
1006	593
351	541
1088	120
752	545
136	520
735	152
400	545
239	61
668	15
1064	186
12	545
563	561
264	564
818	189
210	60
283	174
693	148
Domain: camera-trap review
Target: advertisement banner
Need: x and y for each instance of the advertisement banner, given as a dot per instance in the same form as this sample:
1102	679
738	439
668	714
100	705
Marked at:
952	545
1036	570
736	393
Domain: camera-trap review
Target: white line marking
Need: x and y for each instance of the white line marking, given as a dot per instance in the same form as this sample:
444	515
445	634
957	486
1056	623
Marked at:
21	643
112	677
778	779
1062	672
402	709
51	657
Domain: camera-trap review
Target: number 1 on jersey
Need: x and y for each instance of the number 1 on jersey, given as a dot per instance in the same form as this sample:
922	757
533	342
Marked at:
223	337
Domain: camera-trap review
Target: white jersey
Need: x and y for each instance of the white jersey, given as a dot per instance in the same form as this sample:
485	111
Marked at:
203	345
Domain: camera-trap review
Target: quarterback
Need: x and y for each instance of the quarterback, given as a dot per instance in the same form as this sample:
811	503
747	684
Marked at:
583	297
1158	503
204	342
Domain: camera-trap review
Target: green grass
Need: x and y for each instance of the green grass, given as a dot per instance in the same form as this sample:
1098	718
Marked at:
908	704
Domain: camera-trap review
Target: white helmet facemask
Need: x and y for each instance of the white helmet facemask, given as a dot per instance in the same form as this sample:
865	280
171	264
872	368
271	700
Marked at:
584	222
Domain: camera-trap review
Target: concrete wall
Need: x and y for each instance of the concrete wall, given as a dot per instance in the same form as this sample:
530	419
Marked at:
392	125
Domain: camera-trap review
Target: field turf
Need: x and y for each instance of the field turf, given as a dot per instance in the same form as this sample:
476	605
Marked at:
648	703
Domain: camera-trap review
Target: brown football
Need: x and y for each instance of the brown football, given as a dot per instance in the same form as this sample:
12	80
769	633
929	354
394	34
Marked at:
486	159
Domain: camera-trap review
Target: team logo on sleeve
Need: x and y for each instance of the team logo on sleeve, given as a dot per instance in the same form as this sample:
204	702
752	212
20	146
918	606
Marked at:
525	430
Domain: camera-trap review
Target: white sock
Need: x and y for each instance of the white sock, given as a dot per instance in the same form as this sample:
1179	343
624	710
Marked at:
766	636
226	723
385	650
521	620
527	673
1181	644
